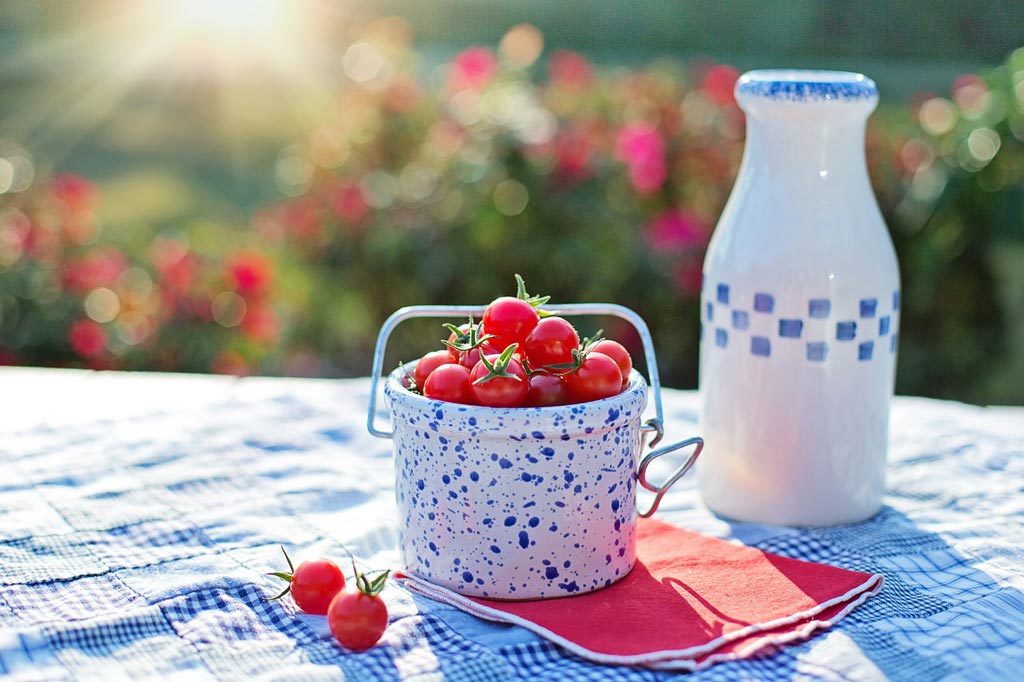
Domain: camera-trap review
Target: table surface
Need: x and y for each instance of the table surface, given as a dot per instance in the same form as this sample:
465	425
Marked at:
138	513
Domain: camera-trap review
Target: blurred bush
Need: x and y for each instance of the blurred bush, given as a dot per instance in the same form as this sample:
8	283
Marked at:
594	183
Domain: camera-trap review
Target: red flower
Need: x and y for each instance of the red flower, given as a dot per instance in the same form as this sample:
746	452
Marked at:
569	70
260	324
88	338
74	191
719	84
688	278
643	149
96	269
573	152
473	68
250	273
676	229
349	203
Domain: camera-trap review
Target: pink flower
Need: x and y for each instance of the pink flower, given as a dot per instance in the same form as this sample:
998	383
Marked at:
719	84
250	273
676	230
349	203
97	269
74	191
260	324
688	278
573	152
473	68
569	70
87	338
643	149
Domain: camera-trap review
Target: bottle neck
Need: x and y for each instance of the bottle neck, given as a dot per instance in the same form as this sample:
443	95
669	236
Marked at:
804	151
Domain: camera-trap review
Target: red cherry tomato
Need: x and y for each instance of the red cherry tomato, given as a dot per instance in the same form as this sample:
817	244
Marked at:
313	584
617	352
546	390
499	391
427	364
551	342
596	378
449	383
357	619
510	320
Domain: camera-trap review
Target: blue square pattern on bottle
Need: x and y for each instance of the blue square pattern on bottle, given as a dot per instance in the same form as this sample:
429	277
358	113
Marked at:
819	307
865	349
790	329
817	351
868	306
846	331
896	300
723	294
711	311
740	319
760	345
721	337
893	342
883	325
764	303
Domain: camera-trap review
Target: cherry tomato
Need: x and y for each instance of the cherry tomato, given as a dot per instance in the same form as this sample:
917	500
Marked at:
617	352
313	584
427	364
551	342
449	383
546	390
596	378
507	387
357	619
510	320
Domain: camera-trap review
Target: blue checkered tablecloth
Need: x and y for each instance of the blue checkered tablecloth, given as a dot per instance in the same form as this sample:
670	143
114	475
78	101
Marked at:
138	514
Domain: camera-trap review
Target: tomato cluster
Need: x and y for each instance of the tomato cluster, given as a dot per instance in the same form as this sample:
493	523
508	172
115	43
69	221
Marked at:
519	356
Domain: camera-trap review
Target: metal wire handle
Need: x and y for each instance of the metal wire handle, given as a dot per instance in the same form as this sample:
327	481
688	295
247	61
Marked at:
653	425
660	490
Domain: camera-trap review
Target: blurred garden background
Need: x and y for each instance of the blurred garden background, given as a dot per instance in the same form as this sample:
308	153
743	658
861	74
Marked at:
252	186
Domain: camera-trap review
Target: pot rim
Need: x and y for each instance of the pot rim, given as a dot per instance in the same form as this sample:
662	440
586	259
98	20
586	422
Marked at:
499	420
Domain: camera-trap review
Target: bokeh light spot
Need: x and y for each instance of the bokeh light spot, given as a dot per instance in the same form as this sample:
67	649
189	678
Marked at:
510	197
228	309
102	305
522	44
937	116
983	143
362	62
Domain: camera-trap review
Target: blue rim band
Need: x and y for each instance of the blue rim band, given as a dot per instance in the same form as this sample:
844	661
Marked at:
799	91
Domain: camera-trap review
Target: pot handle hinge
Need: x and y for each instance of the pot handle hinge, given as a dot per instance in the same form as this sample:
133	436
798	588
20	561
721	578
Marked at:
660	490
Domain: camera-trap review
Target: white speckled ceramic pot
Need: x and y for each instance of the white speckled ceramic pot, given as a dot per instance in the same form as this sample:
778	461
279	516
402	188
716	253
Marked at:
521	503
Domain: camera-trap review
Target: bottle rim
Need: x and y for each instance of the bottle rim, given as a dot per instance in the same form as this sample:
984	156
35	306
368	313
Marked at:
799	85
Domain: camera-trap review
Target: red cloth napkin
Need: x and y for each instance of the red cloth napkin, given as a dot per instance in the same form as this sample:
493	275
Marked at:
690	601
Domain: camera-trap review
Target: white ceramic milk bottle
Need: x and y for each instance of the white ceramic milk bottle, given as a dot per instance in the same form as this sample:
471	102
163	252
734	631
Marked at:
800	309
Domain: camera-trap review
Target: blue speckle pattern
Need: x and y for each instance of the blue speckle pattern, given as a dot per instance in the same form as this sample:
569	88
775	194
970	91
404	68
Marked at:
740	320
819	307
760	345
711	311
814	328
521	503
760	85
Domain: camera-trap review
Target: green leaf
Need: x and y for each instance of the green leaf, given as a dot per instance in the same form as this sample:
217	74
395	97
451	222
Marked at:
286	591
288	559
